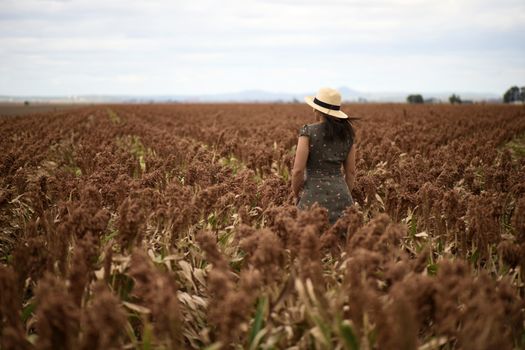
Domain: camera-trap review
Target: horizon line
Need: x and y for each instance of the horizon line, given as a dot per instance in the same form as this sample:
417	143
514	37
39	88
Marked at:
196	95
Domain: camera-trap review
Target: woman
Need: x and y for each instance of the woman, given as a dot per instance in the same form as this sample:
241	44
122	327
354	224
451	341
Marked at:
323	149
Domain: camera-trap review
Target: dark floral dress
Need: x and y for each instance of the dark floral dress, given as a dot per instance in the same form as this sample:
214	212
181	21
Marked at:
325	183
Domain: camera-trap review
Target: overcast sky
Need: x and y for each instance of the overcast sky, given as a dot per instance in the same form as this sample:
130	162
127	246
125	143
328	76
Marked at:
52	47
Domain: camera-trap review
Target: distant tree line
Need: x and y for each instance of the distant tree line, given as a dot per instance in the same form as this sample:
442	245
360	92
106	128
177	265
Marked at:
455	99
418	98
415	98
514	94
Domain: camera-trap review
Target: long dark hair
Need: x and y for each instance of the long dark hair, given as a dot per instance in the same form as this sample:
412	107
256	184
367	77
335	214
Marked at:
337	128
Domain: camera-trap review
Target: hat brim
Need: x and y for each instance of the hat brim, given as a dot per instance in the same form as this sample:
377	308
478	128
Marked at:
337	114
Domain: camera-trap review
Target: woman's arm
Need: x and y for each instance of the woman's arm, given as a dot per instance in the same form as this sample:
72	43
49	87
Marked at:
301	156
349	166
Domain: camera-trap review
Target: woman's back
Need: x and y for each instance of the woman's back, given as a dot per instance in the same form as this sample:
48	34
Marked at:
324	157
322	150
325	183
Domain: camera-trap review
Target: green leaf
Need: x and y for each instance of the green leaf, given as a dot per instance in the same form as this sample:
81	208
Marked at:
432	269
413	226
372	337
27	311
112	234
474	257
142	163
147	336
113	117
351	342
324	328
131	334
258	321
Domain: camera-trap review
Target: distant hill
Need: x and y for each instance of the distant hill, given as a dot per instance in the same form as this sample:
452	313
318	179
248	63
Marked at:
348	94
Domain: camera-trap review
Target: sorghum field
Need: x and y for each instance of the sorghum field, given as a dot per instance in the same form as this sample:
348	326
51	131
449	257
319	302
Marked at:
173	227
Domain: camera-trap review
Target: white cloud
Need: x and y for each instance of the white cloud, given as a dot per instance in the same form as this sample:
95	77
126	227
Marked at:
161	46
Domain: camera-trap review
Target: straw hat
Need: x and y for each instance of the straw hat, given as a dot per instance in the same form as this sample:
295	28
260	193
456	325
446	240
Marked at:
327	101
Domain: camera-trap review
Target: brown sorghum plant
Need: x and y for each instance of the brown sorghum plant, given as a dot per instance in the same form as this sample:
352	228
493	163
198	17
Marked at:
173	226
58	316
157	290
12	333
264	252
103	321
232	296
130	224
82	266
